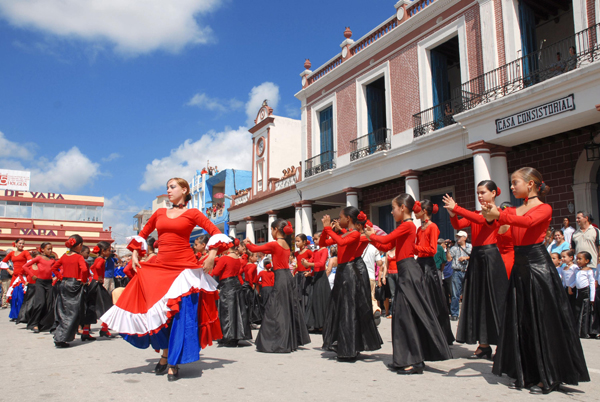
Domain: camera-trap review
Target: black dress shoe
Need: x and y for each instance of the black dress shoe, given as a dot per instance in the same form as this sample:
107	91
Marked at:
415	369
161	369
87	337
175	375
537	390
61	344
484	353
106	334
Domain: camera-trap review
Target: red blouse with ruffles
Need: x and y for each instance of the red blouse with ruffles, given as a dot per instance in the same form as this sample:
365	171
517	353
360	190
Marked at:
427	238
347	244
403	237
531	227
305	255
482	232
281	256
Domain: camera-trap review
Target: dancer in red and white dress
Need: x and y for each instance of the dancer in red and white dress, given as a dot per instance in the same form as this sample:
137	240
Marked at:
168	296
16	291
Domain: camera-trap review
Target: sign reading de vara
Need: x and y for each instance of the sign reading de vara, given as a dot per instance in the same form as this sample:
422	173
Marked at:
536	113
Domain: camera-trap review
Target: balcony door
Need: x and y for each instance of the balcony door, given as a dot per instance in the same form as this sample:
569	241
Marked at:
376	122
528	40
326	128
386	220
442	218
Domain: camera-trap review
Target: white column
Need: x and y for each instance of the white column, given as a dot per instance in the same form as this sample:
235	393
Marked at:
512	32
499	168
250	229
351	197
298	219
411	184
481	169
487	20
232	229
307	218
272	218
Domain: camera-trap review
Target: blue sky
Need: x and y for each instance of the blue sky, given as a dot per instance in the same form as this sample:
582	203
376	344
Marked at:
110	98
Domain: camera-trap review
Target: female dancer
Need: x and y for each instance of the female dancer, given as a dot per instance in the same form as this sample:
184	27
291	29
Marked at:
416	332
101	300
505	243
170	303
266	280
538	343
301	272
317	307
486	281
233	313
200	246
425	248
17	284
70	292
42	302
349	326
249	268
283	328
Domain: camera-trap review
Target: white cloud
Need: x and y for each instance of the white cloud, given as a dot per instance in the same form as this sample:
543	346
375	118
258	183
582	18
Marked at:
203	101
112	157
266	90
292	111
132	27
229	149
118	215
13	150
69	170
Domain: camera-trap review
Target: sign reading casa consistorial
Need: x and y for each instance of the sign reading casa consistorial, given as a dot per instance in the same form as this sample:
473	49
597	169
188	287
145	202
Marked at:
14	180
536	113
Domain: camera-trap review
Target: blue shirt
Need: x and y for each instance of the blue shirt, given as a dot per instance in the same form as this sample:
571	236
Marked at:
559	249
109	270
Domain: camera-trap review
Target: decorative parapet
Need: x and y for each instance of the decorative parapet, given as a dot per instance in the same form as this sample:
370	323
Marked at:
239	200
285	183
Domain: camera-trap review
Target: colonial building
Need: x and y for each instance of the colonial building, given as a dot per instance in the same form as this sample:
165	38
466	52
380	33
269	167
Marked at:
50	217
444	94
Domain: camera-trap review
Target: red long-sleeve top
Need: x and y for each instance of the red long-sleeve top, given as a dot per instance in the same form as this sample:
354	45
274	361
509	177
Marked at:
531	227
228	267
44	266
306	254
73	265
249	271
403	237
18	261
362	245
392	268
280	255
319	258
266	279
427	238
98	268
482	233
347	244
507	250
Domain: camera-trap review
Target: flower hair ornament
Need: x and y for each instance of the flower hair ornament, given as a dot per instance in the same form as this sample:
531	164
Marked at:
369	224
498	192
417	207
14	244
96	250
236	242
70	243
435	209
288	229
542	187
362	217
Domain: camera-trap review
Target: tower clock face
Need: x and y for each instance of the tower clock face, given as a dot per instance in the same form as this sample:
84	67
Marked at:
260	147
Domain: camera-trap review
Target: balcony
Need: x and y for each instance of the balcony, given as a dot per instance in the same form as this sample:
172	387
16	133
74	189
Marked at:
319	163
378	140
539	66
576	51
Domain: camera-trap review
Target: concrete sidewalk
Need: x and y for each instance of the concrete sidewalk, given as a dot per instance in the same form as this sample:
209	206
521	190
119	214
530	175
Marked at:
111	369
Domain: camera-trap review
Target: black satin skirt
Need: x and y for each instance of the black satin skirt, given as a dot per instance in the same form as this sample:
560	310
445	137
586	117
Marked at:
538	340
252	303
47	321
319	300
27	306
349	327
283	328
265	294
368	326
96	302
416	332
304	288
233	312
68	309
42	302
582	310
435	293
484	295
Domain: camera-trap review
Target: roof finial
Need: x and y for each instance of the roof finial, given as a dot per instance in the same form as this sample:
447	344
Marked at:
307	64
348	33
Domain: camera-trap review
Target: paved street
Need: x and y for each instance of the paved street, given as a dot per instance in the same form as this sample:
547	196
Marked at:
32	369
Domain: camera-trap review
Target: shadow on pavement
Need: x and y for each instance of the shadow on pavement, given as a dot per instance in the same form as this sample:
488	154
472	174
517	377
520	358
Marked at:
192	370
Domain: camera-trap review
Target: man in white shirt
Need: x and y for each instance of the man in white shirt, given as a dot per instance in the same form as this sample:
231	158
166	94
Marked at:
567	230
586	238
261	262
371	257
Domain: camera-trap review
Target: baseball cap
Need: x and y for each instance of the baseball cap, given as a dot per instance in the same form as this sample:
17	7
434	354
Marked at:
461	233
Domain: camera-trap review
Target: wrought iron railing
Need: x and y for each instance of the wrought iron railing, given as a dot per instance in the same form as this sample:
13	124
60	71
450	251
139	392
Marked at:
319	163
378	140
550	61
436	117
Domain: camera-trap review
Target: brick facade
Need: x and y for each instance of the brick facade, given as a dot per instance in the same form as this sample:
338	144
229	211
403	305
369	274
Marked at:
499	32
591	12
404	77
346	117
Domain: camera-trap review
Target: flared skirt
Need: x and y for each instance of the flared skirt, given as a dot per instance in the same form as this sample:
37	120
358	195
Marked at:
68	309
233	312
319	300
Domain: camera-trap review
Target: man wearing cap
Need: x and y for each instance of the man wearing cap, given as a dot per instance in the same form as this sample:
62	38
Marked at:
459	255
